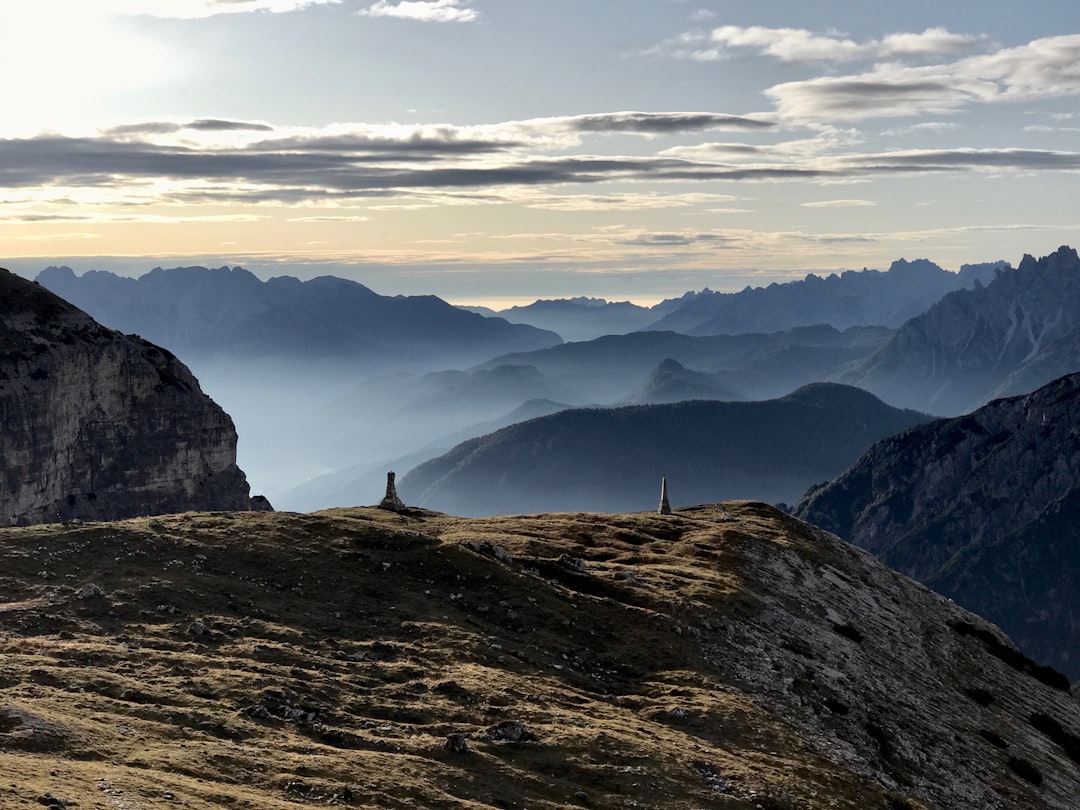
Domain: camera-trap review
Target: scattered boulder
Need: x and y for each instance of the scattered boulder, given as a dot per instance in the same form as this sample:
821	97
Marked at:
455	743
510	731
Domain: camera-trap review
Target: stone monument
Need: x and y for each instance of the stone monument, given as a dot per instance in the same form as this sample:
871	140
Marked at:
665	506
391	501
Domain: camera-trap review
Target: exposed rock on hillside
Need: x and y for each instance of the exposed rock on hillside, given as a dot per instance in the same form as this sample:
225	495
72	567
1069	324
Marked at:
984	508
612	459
98	425
1018	332
722	657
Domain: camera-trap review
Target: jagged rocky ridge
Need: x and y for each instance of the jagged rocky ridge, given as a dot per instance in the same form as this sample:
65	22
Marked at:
853	298
1017	332
726	656
984	508
100	425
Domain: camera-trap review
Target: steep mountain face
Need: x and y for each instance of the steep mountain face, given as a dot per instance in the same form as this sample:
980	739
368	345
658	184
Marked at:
865	298
984	508
724	657
229	313
98	425
1018	332
613	459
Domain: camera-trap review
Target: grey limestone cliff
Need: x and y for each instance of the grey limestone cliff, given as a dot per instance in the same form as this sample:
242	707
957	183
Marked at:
100	425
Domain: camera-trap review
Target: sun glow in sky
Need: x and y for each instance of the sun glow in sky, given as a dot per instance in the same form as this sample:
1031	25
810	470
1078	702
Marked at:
518	149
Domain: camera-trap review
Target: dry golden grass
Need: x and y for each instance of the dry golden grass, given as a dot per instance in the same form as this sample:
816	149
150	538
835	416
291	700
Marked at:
257	660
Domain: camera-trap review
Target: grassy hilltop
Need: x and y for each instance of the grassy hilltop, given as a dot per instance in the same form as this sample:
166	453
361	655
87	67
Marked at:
726	656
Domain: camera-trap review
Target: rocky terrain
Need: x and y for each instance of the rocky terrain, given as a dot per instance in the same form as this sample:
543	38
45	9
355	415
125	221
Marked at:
726	656
612	459
983	508
1019	331
100	425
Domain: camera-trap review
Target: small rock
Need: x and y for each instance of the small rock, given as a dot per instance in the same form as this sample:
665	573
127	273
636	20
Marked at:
511	731
89	591
575	564
455	743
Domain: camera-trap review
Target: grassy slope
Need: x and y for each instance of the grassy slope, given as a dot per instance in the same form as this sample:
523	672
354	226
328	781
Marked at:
273	660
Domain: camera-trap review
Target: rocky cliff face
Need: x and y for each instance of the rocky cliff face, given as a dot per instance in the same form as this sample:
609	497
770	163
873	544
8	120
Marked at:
1018	332
98	425
984	508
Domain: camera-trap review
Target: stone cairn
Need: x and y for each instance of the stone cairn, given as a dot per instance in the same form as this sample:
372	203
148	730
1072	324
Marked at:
391	501
665	506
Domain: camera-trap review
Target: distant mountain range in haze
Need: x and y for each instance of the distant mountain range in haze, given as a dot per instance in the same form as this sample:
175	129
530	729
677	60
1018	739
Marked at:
612	459
984	508
853	298
1008	337
225	313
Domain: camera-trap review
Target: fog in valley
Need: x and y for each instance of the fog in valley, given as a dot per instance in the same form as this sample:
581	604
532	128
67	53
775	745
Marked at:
331	385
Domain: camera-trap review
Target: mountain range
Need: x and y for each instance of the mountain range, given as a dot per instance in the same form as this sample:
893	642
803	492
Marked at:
612	459
229	314
984	508
1009	336
853	298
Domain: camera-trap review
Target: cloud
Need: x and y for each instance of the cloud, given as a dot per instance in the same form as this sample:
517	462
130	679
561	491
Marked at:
645	123
839	204
195	9
330	219
423	10
424	166
801	45
199	125
1040	69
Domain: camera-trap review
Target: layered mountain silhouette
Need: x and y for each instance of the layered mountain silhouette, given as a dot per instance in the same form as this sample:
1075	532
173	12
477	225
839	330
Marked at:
616	368
225	313
612	459
853	298
984	508
1019	331
671	381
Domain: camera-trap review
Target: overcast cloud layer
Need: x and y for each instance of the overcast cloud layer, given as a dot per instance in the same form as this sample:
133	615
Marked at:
461	133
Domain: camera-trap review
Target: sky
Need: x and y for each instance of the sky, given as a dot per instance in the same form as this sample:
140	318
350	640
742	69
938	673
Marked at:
500	151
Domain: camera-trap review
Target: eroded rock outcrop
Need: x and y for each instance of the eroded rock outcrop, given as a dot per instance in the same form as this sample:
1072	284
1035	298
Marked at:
100	425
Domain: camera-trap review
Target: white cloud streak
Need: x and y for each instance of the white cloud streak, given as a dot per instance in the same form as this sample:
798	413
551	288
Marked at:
792	45
423	10
1040	69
